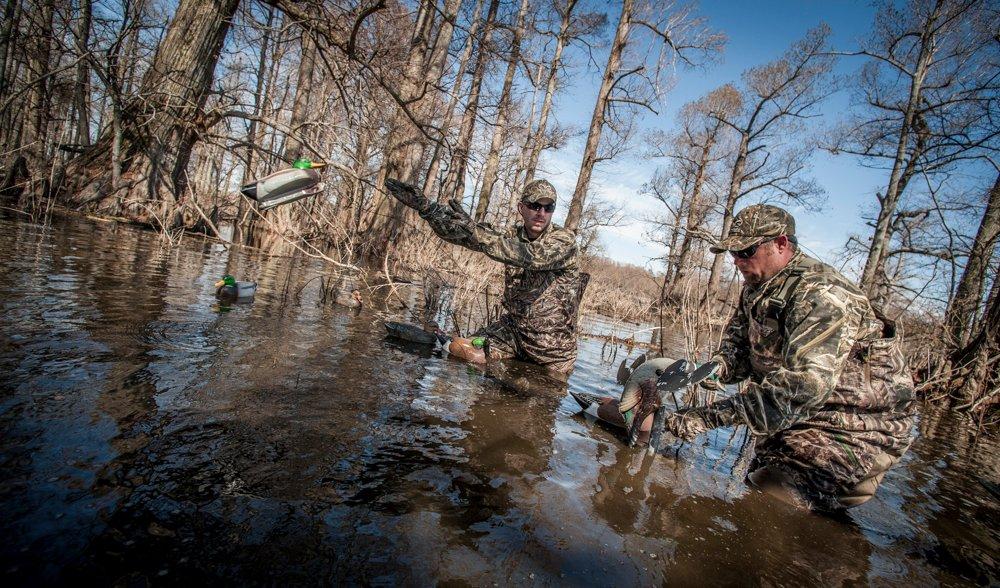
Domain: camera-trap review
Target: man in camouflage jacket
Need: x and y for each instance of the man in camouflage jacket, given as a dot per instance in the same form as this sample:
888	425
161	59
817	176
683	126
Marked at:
542	280
827	391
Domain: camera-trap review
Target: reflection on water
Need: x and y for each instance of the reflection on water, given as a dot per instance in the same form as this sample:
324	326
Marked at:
150	434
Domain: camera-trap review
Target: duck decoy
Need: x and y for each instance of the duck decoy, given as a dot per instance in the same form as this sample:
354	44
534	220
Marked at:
287	185
228	288
414	333
642	370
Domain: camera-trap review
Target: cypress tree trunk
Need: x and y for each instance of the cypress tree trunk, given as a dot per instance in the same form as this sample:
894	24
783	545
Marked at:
493	159
538	139
431	181
597	120
962	310
454	184
81	85
160	126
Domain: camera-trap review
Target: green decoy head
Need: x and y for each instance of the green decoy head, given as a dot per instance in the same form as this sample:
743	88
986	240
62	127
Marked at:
306	163
227	280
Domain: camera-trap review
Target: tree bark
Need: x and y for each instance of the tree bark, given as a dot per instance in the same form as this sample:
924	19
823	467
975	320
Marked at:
34	137
454	184
294	147
735	185
81	83
597	120
500	129
239	230
7	30
968	295
975	373
162	124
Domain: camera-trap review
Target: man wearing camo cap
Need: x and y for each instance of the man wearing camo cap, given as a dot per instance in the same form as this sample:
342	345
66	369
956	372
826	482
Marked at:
827	392
542	280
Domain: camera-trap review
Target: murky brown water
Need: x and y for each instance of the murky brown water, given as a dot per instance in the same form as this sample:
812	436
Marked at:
151	436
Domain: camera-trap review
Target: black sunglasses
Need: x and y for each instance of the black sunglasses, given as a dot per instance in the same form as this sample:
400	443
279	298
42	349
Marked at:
536	206
748	252
751	250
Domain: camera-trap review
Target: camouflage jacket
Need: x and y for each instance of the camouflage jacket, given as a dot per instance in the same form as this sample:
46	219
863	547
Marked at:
541	281
828	384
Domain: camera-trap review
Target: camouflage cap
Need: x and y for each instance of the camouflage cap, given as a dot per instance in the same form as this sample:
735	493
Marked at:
756	224
538	189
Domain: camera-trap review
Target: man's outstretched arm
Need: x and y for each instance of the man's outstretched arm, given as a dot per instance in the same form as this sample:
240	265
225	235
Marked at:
452	226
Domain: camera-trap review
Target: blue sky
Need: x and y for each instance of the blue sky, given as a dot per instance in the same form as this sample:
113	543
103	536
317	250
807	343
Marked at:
757	32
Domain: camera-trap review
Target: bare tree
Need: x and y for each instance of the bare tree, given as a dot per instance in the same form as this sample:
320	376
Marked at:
771	158
161	126
694	153
931	65
454	184
966	303
434	170
500	127
636	79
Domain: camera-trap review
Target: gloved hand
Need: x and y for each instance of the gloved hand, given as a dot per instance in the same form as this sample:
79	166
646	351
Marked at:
714	382
458	212
407	194
685	424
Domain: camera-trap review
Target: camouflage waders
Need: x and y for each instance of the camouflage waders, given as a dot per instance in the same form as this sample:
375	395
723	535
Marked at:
828	388
542	287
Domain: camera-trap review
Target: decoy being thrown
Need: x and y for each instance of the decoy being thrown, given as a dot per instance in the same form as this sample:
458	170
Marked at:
287	185
229	289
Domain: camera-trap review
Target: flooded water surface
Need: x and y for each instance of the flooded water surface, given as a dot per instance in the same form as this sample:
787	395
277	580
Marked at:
151	435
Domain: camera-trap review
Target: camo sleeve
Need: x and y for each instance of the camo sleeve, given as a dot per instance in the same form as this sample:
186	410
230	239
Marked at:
556	249
733	353
821	327
450	226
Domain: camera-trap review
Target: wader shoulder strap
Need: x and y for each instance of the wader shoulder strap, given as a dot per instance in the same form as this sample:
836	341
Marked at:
775	304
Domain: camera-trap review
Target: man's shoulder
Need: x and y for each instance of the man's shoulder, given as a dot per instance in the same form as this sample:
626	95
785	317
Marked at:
560	232
820	279
814	271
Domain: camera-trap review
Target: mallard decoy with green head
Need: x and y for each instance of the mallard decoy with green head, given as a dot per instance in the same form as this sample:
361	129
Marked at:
229	289
287	185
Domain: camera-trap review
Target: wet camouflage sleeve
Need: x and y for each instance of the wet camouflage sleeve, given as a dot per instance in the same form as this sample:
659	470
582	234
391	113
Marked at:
821	327
554	250
450	226
732	355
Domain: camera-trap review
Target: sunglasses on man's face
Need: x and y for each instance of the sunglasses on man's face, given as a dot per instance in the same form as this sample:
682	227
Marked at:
537	206
748	252
751	250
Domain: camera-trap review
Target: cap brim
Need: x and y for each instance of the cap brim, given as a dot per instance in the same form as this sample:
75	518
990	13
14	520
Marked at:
735	244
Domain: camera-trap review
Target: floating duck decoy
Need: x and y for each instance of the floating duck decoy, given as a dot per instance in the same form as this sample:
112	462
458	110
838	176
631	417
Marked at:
228	288
287	185
414	333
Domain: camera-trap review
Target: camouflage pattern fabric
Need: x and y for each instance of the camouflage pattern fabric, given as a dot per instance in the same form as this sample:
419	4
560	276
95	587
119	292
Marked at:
538	190
756	224
829	389
542	287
